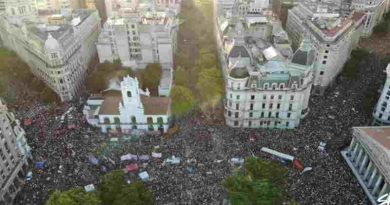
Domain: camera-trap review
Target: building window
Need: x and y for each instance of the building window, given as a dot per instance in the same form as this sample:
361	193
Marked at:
280	97
291	97
270	106
249	123
236	115
287	124
231	96
251	114
54	55
263	106
133	120
262	114
269	114
272	97
229	113
266	86
278	106
321	72
277	114
325	57
288	115
281	86
380	115
117	120
251	107
290	107
324	62
236	123
106	120
264	97
238	97
237	106
160	121
252	97
129	94
326	51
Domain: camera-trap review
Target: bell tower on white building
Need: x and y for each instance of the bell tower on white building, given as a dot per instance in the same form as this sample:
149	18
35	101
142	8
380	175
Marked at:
131	92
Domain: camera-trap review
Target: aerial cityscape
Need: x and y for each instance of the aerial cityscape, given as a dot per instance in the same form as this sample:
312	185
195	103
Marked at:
174	102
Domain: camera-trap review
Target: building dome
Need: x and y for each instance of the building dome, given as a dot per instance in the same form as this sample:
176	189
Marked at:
51	43
239	72
305	54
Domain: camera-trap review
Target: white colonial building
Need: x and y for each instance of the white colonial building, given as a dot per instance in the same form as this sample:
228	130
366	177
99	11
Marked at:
382	109
368	156
57	51
333	35
126	107
14	155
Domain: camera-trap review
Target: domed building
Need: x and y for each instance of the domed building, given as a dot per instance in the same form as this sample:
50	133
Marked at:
264	89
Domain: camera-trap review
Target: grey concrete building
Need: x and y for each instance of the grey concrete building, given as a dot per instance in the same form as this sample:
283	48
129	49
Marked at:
14	154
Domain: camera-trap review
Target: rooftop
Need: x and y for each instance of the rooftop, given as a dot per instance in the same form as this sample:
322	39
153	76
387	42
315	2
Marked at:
379	134
110	105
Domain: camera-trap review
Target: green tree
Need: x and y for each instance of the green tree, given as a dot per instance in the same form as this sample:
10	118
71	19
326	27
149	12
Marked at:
111	186
183	100
49	96
74	196
351	67
150	77
210	87
266	169
135	193
382	28
243	190
115	191
182	77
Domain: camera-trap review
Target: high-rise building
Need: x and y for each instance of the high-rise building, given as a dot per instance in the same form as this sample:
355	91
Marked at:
139	40
57	50
333	35
382	109
368	156
14	155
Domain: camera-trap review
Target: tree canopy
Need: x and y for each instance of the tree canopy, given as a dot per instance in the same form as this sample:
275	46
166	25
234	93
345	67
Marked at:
183	100
74	196
115	191
264	183
150	77
243	190
351	68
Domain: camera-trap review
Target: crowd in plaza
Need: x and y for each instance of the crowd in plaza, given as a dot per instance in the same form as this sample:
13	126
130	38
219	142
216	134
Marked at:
205	151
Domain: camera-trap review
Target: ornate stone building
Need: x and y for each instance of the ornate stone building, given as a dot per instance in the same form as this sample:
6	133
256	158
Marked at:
14	154
368	156
57	50
382	109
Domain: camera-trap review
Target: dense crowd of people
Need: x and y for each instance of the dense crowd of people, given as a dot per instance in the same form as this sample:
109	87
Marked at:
205	151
